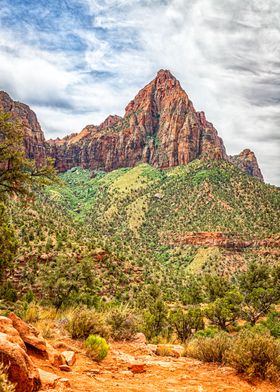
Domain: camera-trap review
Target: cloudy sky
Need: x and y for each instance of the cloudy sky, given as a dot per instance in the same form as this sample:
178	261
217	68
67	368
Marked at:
77	61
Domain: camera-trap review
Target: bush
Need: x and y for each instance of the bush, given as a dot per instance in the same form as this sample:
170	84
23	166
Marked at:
30	312
255	354
8	292
85	322
208	332
272	323
5	384
124	323
212	349
185	322
164	350
96	347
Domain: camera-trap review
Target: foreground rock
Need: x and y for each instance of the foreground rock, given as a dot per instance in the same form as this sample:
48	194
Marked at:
28	334
70	357
20	367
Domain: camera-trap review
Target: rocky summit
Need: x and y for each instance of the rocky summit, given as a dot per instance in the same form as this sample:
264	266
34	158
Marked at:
160	127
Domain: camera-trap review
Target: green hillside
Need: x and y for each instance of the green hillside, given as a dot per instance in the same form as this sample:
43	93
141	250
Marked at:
117	228
135	211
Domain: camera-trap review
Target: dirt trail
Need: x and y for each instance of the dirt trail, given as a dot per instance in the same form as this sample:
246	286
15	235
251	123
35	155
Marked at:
162	374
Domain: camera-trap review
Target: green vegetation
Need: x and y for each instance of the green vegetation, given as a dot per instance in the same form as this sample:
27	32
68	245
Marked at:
96	348
255	355
105	255
209	349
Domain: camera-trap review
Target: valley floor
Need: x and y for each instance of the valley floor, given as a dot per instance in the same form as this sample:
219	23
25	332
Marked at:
162	374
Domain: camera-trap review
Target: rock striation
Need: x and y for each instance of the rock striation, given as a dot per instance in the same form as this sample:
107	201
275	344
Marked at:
160	127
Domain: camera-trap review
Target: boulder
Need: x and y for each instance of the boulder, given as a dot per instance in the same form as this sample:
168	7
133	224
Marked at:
6	326
28	333
137	368
65	368
140	338
70	357
48	380
20	367
55	357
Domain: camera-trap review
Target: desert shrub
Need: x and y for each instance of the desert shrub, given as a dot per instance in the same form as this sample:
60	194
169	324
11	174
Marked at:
155	320
209	349
5	384
8	292
208	332
30	312
272	323
85	322
96	347
124	323
46	328
255	354
164	350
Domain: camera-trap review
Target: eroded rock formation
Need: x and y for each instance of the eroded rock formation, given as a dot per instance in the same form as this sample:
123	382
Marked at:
160	127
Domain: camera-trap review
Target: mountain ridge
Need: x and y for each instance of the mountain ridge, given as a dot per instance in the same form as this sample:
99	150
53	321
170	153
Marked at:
160	127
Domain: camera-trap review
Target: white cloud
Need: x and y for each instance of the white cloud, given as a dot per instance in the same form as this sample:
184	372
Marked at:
225	53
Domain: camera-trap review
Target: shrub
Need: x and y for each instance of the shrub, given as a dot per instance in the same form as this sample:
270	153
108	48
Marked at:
272	323
5	384
208	332
256	354
85	322
46	328
185	322
96	347
212	349
124	323
164	350
8	292
31	312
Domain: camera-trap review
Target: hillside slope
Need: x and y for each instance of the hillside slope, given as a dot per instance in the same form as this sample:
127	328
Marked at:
168	215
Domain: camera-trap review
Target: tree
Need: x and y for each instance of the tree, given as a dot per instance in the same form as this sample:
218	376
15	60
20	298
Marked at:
215	286
224	311
17	173
8	241
260	287
186	322
155	319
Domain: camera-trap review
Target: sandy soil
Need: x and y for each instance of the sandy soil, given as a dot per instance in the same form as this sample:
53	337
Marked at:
162	374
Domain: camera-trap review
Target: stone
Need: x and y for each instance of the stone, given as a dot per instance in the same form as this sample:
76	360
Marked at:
55	357
63	382
70	357
21	370
6	326
137	368
65	368
48	379
140	338
28	333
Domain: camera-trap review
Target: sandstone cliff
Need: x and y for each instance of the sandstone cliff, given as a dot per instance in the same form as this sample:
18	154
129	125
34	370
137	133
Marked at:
160	127
34	141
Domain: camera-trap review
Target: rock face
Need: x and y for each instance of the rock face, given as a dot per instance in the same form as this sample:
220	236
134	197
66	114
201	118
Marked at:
160	127
21	369
28	333
34	140
247	162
